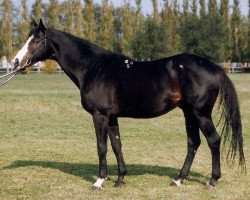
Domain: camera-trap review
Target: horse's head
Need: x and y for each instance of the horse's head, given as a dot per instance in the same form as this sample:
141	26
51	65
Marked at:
35	48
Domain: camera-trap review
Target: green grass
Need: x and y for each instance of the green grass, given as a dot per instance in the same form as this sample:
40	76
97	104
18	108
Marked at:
48	148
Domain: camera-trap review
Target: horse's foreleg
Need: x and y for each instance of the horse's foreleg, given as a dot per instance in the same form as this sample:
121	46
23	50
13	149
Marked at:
193	143
101	129
116	146
213	140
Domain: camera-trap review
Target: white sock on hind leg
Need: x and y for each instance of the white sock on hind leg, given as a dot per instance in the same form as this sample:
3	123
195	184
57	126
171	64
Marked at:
177	182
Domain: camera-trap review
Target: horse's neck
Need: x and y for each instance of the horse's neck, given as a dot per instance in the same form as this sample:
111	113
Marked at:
71	50
72	54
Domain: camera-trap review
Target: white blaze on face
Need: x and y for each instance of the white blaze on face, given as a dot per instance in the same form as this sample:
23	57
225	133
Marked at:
20	55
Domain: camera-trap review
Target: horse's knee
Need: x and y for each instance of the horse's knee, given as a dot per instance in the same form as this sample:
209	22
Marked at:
102	150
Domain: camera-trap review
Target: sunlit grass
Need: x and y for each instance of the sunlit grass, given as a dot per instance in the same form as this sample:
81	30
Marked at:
48	148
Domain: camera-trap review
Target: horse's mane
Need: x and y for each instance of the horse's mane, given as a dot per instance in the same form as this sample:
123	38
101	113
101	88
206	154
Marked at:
83	41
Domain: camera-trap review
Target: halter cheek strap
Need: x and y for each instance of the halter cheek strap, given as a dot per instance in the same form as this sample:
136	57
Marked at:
37	50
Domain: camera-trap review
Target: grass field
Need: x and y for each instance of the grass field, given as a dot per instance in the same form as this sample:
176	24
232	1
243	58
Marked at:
48	148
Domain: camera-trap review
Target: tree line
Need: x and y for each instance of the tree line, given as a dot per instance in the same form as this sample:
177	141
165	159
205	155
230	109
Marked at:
213	29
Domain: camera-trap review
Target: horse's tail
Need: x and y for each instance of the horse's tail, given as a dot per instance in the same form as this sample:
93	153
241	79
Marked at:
231	128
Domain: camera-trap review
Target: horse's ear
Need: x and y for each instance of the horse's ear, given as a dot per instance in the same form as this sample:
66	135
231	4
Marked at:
42	26
34	23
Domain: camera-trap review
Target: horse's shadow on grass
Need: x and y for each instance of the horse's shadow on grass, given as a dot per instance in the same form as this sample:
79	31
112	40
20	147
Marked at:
88	171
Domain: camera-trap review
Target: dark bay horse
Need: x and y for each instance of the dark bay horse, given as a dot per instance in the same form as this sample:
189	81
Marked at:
113	85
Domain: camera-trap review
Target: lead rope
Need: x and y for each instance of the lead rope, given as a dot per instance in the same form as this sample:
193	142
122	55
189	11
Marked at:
14	73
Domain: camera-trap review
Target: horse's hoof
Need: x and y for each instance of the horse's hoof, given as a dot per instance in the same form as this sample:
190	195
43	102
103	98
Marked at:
176	182
119	184
96	188
209	186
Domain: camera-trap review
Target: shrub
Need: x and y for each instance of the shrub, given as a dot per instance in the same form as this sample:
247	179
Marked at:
50	66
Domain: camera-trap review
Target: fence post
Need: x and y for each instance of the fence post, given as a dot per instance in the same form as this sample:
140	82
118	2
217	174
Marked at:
39	67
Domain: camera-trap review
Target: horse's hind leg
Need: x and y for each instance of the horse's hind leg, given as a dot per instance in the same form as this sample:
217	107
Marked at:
193	143
115	139
213	140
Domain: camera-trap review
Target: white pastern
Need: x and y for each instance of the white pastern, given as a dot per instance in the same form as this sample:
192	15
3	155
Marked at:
24	50
177	182
99	182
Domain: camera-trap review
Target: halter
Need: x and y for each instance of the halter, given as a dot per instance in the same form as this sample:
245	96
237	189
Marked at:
37	50
15	72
